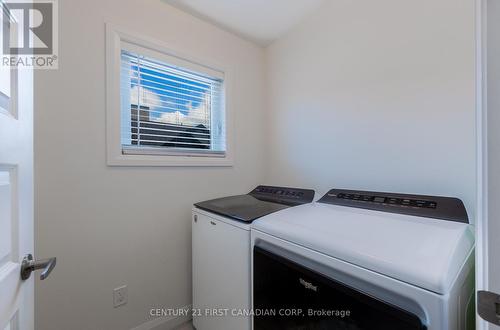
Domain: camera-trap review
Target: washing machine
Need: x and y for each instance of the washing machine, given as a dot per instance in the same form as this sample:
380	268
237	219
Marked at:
221	253
364	260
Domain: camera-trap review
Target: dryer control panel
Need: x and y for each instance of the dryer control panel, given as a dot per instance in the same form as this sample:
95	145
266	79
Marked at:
445	208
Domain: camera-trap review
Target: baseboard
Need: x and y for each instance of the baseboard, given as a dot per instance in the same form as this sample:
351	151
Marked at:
166	322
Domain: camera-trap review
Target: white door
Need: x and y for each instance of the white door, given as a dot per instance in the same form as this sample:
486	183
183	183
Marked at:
488	238
16	196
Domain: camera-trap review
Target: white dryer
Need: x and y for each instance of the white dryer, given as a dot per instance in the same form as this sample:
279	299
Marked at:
364	260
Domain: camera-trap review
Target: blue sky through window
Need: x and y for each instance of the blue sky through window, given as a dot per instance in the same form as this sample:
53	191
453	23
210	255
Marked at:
171	95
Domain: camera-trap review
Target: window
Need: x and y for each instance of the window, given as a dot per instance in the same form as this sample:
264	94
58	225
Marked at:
169	108
166	108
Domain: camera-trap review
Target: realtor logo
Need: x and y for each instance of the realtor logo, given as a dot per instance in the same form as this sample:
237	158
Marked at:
29	33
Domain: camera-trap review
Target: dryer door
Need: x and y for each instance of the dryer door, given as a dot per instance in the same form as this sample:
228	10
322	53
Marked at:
290	296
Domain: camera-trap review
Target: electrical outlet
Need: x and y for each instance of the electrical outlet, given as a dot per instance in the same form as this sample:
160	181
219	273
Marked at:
120	296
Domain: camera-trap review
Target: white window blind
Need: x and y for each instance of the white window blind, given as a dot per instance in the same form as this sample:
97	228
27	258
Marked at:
170	108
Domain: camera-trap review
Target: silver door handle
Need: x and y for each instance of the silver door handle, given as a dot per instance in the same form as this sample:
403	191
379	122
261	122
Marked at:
29	265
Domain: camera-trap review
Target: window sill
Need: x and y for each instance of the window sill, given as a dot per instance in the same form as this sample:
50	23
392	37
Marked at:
126	150
169	159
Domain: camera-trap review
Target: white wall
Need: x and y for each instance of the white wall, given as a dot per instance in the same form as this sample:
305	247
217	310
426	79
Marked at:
110	226
376	95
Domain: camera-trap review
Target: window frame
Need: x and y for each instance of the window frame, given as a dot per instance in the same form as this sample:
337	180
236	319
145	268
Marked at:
118	39
11	101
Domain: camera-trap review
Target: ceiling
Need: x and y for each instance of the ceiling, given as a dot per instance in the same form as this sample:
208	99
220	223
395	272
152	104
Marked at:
261	21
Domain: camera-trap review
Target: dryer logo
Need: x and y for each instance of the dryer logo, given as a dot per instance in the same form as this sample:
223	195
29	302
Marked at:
29	33
308	285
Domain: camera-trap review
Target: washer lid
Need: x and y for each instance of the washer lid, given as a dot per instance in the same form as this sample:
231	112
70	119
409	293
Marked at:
261	201
427	253
242	207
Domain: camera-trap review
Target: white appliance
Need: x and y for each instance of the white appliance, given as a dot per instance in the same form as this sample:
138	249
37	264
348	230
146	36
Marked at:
221	253
392	261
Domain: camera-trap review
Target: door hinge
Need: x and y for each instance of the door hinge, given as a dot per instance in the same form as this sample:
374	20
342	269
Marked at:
488	306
